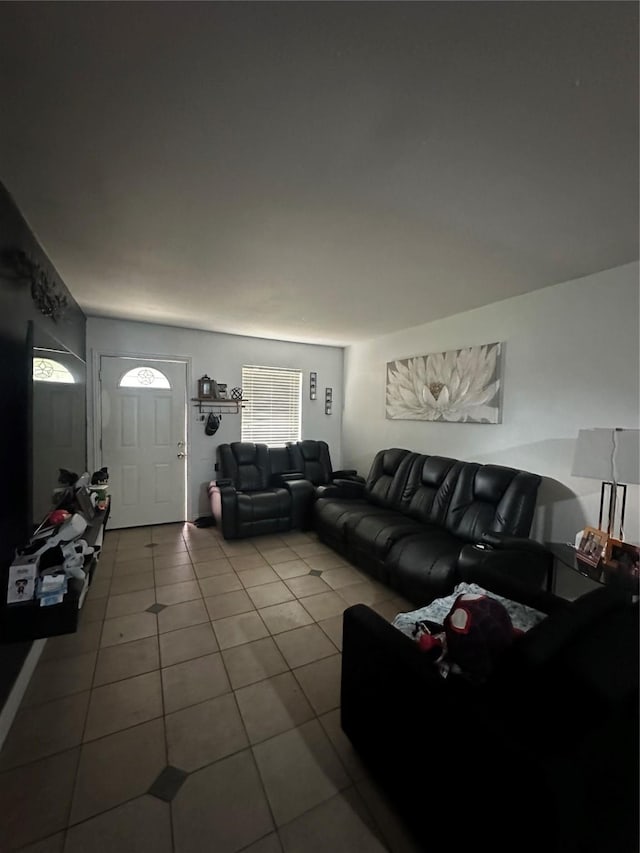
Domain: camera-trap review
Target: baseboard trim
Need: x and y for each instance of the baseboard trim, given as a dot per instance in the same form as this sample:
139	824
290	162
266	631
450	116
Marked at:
19	688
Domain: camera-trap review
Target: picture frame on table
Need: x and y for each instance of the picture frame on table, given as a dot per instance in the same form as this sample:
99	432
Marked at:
592	547
623	558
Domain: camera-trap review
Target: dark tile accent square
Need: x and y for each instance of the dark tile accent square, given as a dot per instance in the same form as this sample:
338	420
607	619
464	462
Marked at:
156	608
315	572
168	783
152	545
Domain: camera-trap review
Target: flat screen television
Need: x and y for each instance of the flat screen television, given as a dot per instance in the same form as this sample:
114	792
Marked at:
58	417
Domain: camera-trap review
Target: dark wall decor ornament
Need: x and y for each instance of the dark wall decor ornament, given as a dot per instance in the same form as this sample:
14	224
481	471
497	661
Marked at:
313	385
45	291
236	393
328	400
205	387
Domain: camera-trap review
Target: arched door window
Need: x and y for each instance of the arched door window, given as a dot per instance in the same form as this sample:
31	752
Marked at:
49	370
144	376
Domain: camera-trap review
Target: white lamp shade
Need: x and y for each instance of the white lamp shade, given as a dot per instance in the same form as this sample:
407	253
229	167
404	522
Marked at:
608	454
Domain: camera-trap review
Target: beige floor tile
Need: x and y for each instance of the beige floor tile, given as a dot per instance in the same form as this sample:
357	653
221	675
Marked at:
176	574
272	706
309	549
300	770
122	704
176	593
325	605
169	561
93	609
132	555
273	556
118	768
298	537
270	593
387	609
219	584
133	567
25	818
228	604
258	576
209	568
116	663
337	578
187	643
182	615
207	555
52	844
54	679
243	562
193	681
100	588
365	593
142	824
224	804
285	617
322	562
44	730
237	548
204	733
307	585
291	569
124	629
341	823
304	645
132	583
253	662
164	549
167	532
130	602
320	681
333	629
267	542
342	745
243	628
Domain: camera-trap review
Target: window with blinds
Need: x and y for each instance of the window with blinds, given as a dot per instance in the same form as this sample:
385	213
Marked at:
272	407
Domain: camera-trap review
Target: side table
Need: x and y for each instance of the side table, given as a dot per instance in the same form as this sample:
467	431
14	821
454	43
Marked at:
566	556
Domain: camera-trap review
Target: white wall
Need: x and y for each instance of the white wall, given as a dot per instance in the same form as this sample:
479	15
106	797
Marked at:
222	357
571	362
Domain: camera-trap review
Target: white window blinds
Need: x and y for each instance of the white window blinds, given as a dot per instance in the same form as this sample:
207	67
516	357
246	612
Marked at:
271	412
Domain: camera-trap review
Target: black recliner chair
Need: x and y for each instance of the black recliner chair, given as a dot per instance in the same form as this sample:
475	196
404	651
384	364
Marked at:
312	458
254	495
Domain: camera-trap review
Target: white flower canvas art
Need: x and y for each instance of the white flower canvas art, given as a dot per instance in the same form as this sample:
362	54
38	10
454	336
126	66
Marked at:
461	386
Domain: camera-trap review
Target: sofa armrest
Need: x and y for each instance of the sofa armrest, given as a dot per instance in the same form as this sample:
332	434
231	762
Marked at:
223	499
347	474
302	498
345	489
221	483
525	559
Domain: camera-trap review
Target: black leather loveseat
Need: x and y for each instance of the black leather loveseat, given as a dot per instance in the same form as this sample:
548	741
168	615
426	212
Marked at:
542	756
257	492
418	520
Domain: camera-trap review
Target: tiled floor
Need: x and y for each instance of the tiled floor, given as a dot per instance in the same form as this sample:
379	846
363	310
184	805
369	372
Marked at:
197	707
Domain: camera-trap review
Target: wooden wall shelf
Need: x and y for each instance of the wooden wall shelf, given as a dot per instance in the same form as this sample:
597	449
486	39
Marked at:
220	407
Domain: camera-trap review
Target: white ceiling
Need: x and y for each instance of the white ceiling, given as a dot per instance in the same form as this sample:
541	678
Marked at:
322	172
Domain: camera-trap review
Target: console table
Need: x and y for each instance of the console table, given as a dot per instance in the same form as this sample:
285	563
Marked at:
28	621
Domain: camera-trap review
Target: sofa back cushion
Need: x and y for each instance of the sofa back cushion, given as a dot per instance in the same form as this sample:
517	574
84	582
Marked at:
387	479
246	464
491	498
313	460
430	486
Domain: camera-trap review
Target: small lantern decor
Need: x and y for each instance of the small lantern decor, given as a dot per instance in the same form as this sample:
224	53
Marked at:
205	388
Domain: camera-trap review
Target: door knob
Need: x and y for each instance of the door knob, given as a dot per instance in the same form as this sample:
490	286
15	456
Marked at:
181	455
180	444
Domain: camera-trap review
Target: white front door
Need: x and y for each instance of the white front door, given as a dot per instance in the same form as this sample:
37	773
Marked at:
143	413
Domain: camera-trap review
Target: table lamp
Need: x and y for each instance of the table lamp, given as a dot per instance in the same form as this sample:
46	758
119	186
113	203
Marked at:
613	456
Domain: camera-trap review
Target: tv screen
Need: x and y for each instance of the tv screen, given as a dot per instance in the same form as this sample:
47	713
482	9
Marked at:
58	418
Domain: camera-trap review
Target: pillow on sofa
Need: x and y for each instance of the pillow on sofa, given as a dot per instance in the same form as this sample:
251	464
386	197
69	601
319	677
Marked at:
522	617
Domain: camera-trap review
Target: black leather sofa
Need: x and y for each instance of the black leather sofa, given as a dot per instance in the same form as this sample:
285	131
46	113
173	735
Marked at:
541	756
313	460
419	520
257	491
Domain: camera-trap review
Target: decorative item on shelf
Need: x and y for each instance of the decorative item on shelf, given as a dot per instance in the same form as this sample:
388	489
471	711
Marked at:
45	291
328	400
236	393
612	456
313	385
221	390
205	387
622	559
592	546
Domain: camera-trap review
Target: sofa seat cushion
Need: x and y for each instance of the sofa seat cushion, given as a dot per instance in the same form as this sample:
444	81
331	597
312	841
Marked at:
334	515
426	561
263	505
377	533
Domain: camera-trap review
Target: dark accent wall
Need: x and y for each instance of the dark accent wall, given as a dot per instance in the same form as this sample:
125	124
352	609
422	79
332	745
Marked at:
16	309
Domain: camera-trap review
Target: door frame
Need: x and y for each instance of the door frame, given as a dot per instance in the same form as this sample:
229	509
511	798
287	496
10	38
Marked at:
94	409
